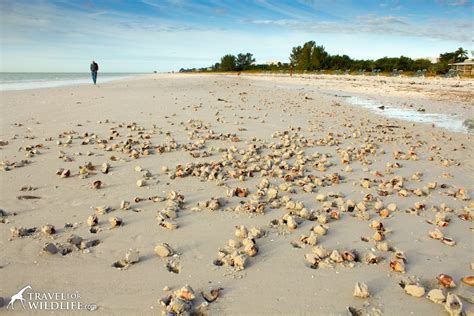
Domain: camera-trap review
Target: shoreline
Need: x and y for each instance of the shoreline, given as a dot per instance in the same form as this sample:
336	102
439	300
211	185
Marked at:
55	83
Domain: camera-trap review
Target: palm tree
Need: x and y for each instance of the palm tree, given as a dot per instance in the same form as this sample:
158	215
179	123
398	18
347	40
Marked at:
461	55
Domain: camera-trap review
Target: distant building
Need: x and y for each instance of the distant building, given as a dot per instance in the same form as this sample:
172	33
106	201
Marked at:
271	62
434	60
464	68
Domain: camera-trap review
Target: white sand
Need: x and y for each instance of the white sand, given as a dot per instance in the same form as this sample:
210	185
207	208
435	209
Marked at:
278	280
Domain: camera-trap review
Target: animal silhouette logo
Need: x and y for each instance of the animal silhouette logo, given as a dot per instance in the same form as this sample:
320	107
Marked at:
18	297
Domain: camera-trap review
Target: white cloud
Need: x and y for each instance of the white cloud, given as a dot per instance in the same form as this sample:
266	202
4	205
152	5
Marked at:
438	29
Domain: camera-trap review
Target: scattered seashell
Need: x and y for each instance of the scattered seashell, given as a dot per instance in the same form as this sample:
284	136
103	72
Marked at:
64	173
468	280
186	293
164	250
251	250
48	229
361	290
121	264
397	265
105	167
102	210
211	295
321	197
132	256
453	305
115	222
168	224
234	244
97	184
382	246
321	252
272	194
178	306
92	220
371	258
436	234
312	259
353	311
445	280
336	256
241	232
320	229
392	207
141	183
437	296
378	236
414	290
448	241
125	205
239	261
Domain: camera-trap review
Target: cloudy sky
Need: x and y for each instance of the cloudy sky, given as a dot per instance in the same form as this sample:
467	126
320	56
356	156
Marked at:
164	35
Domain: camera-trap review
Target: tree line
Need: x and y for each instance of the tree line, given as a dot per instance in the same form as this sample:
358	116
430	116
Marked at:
312	58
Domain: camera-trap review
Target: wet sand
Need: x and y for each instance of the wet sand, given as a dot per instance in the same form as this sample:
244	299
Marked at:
203	136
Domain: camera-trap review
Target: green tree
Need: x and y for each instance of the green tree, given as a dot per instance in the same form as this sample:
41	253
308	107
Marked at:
295	55
319	58
228	63
461	55
243	61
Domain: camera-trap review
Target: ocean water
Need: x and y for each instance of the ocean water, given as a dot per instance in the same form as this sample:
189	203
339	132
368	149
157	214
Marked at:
35	80
451	122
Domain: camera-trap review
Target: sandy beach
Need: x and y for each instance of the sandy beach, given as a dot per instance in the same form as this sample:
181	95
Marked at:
331	190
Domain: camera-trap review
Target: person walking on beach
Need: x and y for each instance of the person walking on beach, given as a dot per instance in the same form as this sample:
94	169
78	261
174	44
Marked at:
94	70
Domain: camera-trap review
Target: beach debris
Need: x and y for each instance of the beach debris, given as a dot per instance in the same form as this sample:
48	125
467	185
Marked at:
211	295
361	290
167	224
115	222
132	256
353	311
105	168
180	302
97	184
48	230
63	173
173	266
436	234
164	250
412	288
453	305
28	197
92	220
21	231
468	280
320	229
446	281
437	296
397	265
103	209
125	205
241	232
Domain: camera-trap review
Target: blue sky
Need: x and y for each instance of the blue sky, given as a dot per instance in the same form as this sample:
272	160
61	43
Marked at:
164	35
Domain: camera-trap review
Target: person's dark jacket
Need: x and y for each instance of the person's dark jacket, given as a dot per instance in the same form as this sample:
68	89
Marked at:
94	67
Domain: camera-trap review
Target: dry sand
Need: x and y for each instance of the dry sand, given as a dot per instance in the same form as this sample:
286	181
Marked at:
302	126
